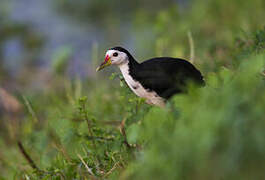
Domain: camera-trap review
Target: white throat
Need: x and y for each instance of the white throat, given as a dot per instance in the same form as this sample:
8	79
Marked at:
124	67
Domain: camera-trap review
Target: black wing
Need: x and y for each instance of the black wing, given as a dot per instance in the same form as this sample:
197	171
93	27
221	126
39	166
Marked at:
167	76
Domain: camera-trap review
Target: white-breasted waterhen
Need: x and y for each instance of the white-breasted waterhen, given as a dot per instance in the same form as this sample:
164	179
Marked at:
156	79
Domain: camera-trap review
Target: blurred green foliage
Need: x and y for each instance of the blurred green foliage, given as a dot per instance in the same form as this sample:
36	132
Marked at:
218	134
108	12
61	59
76	129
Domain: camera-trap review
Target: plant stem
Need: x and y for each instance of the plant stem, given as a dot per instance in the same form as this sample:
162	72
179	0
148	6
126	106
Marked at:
27	157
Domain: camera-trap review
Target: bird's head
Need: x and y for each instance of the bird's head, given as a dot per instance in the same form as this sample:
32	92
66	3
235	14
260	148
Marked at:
115	56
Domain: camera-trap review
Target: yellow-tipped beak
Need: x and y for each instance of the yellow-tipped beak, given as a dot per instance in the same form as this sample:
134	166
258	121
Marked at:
106	63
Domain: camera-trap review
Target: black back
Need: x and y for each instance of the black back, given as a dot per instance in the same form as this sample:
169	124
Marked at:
164	75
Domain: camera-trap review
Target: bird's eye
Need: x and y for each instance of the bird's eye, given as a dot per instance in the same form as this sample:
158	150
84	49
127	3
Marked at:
115	54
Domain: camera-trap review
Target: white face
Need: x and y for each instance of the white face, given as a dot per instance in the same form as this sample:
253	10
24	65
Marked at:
117	57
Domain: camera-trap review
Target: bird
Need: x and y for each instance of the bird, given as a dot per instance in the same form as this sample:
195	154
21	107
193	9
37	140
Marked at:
157	79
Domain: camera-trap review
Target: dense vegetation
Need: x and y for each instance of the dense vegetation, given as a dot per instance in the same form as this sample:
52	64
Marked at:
96	128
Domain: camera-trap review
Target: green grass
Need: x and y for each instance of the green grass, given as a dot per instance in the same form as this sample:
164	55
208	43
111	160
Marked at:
97	129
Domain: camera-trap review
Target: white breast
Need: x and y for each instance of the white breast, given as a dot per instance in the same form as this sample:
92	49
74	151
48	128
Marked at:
150	96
